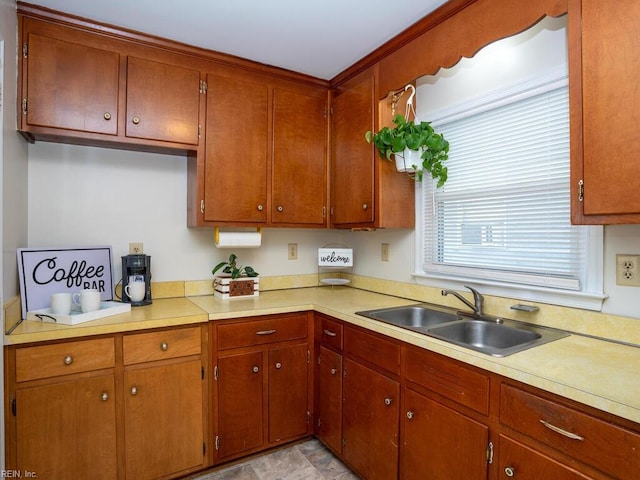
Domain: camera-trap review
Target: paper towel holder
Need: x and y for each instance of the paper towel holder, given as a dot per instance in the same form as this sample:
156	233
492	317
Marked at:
217	238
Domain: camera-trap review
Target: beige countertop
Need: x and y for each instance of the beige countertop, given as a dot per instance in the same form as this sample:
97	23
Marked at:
595	372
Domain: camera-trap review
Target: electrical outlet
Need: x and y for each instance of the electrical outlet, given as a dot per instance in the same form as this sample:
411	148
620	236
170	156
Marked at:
135	248
292	249
384	252
627	270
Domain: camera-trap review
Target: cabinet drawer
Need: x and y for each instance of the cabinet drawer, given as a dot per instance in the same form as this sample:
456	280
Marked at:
372	349
331	332
607	447
64	358
266	330
448	378
148	347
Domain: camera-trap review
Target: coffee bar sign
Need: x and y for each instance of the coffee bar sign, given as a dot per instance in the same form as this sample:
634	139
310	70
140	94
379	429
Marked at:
56	270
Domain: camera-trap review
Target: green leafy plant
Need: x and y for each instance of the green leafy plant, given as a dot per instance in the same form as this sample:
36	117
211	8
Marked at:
231	267
414	136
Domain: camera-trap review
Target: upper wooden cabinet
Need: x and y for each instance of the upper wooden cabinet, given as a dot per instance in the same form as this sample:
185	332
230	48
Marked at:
366	191
80	87
265	157
162	101
69	86
604	104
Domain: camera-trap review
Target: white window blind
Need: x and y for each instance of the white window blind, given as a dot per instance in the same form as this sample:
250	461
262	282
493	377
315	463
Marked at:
504	213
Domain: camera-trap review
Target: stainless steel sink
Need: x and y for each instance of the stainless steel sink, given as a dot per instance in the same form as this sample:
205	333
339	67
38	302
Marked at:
496	337
414	317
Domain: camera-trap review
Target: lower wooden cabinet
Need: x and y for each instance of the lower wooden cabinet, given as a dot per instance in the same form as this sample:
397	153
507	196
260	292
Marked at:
329	404
262	383
440	443
370	422
126	406
163	412
67	430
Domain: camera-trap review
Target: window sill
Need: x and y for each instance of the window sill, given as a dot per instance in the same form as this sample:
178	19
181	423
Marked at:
565	298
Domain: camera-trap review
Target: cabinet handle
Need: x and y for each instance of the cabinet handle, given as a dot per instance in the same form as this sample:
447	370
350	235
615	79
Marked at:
280	208
260	208
365	206
107	116
410	415
255	369
278	365
334	371
104	397
387	401
266	332
559	430
509	471
329	333
164	346
134	390
68	360
135	120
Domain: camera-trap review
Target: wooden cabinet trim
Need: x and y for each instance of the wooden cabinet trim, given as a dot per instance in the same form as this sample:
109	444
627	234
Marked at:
373	349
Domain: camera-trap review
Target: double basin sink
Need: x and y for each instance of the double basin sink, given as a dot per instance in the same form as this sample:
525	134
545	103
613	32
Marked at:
492	336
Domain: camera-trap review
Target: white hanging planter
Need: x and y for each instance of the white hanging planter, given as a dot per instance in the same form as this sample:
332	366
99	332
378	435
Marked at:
406	161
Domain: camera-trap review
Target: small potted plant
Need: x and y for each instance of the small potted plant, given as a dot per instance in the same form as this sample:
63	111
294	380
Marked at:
407	137
236	280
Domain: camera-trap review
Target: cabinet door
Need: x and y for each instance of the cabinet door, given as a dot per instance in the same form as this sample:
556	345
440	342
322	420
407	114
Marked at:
521	462
439	443
329	427
352	178
370	423
164	430
240	412
236	151
288	393
71	86
163	101
299	158
68	430
610	115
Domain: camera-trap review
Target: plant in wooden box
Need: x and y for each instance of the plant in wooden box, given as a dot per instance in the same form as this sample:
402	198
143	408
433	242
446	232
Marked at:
236	280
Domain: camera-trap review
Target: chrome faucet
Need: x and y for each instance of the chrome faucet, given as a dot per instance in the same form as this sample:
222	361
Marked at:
478	299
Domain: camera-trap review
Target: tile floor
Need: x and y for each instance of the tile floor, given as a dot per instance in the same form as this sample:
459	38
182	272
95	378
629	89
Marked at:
308	460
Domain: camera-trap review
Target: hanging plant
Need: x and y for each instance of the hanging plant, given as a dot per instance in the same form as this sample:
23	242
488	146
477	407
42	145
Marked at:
421	137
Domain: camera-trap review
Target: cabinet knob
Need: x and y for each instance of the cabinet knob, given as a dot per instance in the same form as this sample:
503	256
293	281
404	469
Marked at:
255	369
365	206
135	120
280	208
387	401
509	471
164	346
278	365
68	360
410	415
334	371
107	116
260	208
134	390
104	397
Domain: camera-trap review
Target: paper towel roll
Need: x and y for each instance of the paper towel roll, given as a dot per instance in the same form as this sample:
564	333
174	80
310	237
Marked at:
238	239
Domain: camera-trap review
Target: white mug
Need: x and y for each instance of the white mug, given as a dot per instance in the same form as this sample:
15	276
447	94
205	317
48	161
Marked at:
136	291
88	299
61	303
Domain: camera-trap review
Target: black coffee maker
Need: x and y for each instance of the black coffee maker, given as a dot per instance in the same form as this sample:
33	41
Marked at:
136	268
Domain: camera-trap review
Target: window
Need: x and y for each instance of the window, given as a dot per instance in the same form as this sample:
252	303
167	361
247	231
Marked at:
503	217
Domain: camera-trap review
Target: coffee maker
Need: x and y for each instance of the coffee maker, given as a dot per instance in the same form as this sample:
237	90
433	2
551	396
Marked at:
136	268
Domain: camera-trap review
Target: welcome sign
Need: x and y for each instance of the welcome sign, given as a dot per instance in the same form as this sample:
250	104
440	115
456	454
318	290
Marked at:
55	270
335	257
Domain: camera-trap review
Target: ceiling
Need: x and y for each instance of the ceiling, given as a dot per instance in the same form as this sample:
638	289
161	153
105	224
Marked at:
316	37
